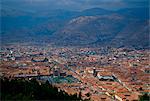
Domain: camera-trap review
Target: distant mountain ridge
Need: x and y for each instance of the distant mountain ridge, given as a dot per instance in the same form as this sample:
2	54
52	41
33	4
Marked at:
95	26
112	29
141	13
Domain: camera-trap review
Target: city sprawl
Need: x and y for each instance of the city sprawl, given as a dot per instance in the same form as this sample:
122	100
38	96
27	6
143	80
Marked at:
103	73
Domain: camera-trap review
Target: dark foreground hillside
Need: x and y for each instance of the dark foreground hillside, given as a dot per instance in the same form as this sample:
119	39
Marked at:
19	89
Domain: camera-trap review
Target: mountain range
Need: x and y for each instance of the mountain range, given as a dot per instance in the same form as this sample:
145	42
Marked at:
92	27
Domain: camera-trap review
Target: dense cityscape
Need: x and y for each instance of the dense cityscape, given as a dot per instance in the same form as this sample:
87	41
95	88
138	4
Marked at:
74	50
104	73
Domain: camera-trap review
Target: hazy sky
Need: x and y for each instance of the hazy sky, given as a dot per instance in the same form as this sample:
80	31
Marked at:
74	4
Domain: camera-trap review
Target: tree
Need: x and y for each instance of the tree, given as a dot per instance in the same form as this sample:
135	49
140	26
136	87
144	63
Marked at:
145	97
20	89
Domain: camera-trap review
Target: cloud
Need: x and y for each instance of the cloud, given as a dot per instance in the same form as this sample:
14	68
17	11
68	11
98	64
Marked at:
107	4
76	4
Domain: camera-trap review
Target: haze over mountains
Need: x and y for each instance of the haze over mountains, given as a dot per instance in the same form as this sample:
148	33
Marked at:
128	27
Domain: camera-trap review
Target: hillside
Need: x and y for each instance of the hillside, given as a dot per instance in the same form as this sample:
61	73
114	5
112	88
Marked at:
113	29
23	90
91	27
